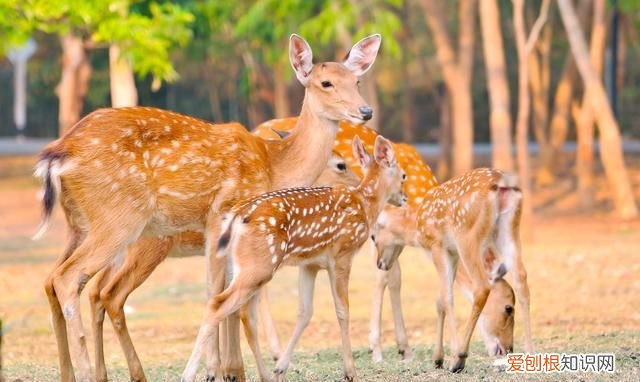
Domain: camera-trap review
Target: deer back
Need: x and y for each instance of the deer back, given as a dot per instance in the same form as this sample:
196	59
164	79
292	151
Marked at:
301	223
420	178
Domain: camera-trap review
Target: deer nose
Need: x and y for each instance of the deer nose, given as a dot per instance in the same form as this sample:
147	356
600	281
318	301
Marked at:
366	112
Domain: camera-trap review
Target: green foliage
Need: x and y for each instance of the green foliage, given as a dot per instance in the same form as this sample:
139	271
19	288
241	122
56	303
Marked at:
145	40
268	23
145	33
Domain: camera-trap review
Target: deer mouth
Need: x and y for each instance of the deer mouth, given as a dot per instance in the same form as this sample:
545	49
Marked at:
357	119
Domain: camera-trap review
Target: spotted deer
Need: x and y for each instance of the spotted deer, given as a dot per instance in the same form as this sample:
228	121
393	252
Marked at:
398	230
313	228
143	173
474	219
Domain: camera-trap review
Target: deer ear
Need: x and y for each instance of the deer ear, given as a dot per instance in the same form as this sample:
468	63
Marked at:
363	54
301	58
361	153
383	152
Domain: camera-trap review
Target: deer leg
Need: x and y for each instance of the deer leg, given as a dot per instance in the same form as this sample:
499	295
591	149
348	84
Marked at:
268	325
248	316
380	284
243	287
441	305
306	282
510	247
511	250
97	319
395	281
339	278
57	317
143	257
232	363
471	260
70	278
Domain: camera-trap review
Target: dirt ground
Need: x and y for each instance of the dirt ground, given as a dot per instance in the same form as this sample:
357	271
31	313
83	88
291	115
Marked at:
584	274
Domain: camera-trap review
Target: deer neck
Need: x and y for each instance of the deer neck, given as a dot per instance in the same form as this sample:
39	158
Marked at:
300	158
401	221
370	191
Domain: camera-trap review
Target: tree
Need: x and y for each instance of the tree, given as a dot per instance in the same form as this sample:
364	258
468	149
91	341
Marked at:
500	117
585	117
524	46
457	75
559	122
143	34
609	138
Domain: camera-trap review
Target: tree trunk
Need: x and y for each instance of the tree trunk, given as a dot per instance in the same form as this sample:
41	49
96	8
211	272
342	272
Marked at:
281	99
74	81
123	85
408	116
610	140
559	125
457	75
539	73
524	47
444	140
500	118
585	128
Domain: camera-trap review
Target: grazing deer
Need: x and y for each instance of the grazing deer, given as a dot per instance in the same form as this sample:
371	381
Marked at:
397	228
474	218
313	228
151	252
497	320
143	173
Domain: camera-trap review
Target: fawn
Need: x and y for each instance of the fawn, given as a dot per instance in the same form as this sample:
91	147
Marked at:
474	219
313	228
399	229
143	173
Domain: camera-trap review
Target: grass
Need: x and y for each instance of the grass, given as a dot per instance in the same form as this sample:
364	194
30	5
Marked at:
326	364
583	273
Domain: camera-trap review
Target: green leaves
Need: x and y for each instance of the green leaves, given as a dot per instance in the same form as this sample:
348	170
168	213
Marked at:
145	33
145	40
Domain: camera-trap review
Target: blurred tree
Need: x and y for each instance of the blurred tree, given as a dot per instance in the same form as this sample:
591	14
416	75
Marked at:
539	80
142	34
585	116
525	44
457	72
500	117
610	141
560	117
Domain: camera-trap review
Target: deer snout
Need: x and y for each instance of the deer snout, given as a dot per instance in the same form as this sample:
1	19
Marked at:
366	112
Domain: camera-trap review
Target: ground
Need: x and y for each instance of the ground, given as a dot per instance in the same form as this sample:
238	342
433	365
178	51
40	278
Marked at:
583	272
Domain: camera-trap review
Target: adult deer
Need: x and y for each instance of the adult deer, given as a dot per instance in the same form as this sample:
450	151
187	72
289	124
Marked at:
473	219
143	173
397	231
314	228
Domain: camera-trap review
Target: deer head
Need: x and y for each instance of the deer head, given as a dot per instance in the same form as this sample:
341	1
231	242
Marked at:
333	87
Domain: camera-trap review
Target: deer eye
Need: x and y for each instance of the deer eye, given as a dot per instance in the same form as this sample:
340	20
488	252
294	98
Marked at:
326	84
404	177
342	166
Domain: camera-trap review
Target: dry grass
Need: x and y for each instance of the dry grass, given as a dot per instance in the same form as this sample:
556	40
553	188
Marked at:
583	272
